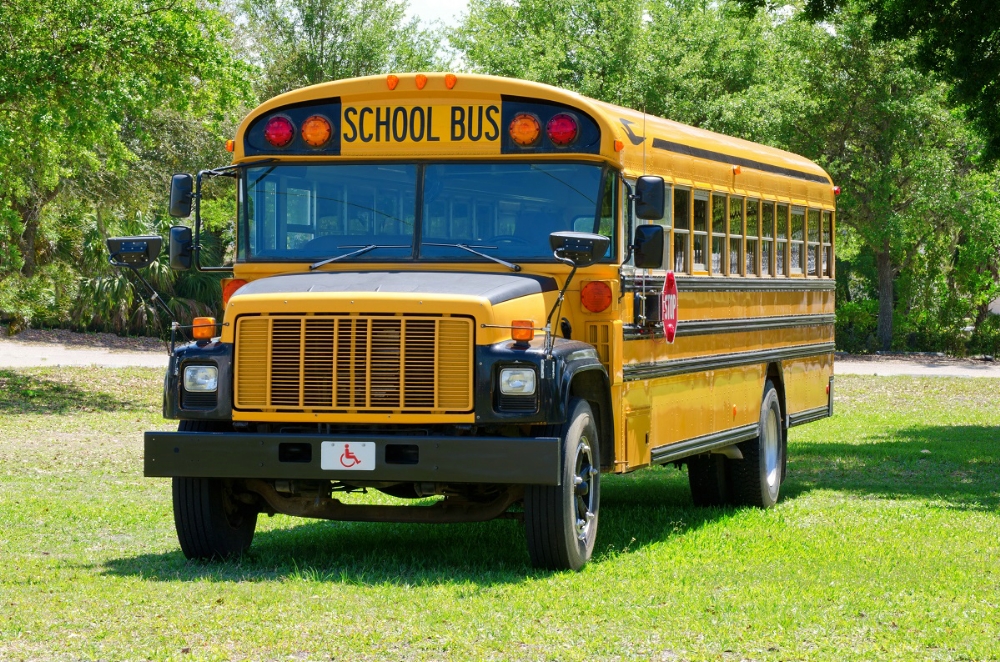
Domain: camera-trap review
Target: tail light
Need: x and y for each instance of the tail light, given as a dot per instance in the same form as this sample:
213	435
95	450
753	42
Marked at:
279	131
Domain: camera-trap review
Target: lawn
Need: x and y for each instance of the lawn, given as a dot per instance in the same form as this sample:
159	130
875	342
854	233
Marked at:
884	546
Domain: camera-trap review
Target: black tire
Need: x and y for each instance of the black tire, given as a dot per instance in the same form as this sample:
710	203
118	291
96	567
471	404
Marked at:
708	480
561	521
211	523
756	479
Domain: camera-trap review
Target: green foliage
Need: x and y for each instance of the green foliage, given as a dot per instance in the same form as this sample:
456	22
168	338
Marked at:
855	326
304	42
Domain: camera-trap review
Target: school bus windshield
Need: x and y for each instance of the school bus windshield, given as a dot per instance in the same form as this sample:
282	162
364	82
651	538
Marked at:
506	210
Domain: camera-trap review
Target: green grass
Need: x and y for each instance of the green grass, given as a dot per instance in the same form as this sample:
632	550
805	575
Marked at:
884	546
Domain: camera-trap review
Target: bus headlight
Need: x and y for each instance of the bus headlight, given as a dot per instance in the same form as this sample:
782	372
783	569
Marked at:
517	381
201	378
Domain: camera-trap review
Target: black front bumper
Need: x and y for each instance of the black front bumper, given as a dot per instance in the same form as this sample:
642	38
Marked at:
496	460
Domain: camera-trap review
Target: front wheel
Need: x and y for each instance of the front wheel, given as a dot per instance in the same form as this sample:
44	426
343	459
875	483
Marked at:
561	521
211	521
756	478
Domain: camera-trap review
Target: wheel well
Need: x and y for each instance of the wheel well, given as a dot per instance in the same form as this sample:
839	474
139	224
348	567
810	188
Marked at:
592	386
774	374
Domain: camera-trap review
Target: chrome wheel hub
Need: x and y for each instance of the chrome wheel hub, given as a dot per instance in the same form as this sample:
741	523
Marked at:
584	494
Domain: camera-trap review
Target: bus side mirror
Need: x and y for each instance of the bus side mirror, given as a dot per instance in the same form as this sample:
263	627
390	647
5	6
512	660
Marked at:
581	249
134	252
181	248
650	194
648	246
180	195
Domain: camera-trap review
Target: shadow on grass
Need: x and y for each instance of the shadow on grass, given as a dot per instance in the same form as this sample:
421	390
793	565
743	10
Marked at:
31	394
648	507
956	466
962	471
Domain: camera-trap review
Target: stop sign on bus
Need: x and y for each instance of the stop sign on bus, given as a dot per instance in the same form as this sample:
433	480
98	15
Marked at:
668	307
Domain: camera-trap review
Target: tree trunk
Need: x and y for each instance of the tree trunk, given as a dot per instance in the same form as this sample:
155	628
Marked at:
883	263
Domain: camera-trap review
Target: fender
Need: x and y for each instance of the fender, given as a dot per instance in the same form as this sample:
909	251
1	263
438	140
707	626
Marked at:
569	360
213	353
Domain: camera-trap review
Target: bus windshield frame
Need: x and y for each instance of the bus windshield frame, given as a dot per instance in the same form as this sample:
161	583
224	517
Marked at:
308	212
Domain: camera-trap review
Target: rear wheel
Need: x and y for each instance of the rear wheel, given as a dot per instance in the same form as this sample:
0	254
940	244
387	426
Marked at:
756	479
211	521
561	521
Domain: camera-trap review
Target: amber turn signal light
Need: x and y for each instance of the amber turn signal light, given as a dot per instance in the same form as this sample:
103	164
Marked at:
204	328
316	131
524	129
522	330
230	145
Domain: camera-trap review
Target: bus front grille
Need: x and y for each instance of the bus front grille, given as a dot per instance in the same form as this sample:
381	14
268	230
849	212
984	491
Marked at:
354	363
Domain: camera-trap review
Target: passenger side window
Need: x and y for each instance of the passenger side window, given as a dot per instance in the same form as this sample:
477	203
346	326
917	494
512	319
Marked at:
682	228
753	232
767	251
718	233
699	239
826	240
735	235
813	258
781	249
798	228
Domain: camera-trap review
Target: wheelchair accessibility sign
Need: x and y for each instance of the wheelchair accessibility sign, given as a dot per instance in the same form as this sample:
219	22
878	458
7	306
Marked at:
347	456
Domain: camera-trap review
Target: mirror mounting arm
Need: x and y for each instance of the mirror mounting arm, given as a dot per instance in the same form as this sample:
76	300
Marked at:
630	197
549	336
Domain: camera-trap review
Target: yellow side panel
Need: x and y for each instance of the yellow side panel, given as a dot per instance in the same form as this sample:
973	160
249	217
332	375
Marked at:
637	438
806	382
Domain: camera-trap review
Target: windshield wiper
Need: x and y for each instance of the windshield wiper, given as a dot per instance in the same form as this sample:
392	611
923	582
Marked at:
361	251
471	249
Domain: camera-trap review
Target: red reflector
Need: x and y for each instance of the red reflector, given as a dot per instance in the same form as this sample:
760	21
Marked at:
836	190
562	129
279	131
596	296
229	287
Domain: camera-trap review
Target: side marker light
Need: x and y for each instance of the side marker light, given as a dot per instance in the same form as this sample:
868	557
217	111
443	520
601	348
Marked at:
450	80
421	81
392	81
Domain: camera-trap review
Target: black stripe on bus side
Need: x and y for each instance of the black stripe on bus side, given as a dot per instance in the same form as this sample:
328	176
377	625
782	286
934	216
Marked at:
633	373
688	150
713	326
808	416
703	444
631	283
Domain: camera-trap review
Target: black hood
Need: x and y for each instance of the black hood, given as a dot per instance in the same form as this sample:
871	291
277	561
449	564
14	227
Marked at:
496	288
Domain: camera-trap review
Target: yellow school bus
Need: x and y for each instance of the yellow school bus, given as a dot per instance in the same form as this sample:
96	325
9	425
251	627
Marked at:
479	294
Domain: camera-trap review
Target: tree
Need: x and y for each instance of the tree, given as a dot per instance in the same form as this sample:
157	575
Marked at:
884	131
958	39
76	76
304	42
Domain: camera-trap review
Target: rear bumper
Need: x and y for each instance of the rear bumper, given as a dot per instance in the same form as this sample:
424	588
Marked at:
497	460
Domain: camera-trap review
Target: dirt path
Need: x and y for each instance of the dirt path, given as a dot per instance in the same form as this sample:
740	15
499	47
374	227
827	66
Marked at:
35	348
